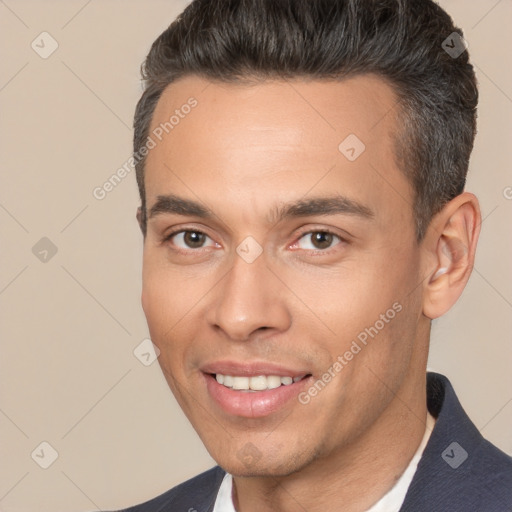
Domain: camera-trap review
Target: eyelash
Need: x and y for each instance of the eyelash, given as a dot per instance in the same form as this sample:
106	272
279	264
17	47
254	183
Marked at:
169	236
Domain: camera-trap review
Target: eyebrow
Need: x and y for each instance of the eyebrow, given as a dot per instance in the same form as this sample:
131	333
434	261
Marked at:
179	206
330	205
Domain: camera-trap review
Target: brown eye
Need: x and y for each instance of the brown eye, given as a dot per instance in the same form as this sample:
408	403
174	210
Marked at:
188	239
194	239
321	239
318	240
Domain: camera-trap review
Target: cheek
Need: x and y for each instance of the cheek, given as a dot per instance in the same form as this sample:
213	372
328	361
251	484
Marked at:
157	301
167	293
173	300
347	299
164	303
370	300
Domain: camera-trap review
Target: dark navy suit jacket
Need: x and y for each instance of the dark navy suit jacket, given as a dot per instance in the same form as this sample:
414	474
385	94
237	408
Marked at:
459	471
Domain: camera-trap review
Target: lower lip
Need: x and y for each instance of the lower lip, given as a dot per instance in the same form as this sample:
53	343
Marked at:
253	404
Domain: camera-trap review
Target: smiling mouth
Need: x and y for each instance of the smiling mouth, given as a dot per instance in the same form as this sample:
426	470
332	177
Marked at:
257	382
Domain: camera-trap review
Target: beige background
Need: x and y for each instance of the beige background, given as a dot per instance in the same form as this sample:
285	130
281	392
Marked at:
69	325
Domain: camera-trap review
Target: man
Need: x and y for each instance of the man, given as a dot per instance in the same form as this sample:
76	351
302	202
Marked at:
301	166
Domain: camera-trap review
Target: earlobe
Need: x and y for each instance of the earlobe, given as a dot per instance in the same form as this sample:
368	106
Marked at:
453	236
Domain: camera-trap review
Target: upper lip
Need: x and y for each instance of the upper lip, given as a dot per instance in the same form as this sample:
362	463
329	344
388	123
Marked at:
252	369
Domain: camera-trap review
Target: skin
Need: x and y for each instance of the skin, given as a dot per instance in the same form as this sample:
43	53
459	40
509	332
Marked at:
242	152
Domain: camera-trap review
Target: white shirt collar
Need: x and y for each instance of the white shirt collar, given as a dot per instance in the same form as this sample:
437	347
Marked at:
390	502
224	501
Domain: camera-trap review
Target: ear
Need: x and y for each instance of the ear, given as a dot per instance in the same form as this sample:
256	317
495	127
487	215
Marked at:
450	246
140	220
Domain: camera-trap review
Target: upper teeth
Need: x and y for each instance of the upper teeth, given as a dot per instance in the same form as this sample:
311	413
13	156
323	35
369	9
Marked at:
258	383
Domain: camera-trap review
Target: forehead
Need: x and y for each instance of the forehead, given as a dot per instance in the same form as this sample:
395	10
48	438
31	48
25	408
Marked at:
275	138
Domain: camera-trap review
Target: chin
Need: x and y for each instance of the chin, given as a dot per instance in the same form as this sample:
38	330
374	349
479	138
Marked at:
262	471
248	461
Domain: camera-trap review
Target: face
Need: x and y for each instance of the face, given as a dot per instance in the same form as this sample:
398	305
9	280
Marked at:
278	250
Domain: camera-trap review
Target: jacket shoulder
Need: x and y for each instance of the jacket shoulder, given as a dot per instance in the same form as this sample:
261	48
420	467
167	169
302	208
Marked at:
195	495
459	469
494	471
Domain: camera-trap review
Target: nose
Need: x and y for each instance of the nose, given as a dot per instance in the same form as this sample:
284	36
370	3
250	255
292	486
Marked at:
250	299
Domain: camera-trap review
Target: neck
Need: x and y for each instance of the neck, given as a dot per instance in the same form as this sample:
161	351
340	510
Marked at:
358	474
